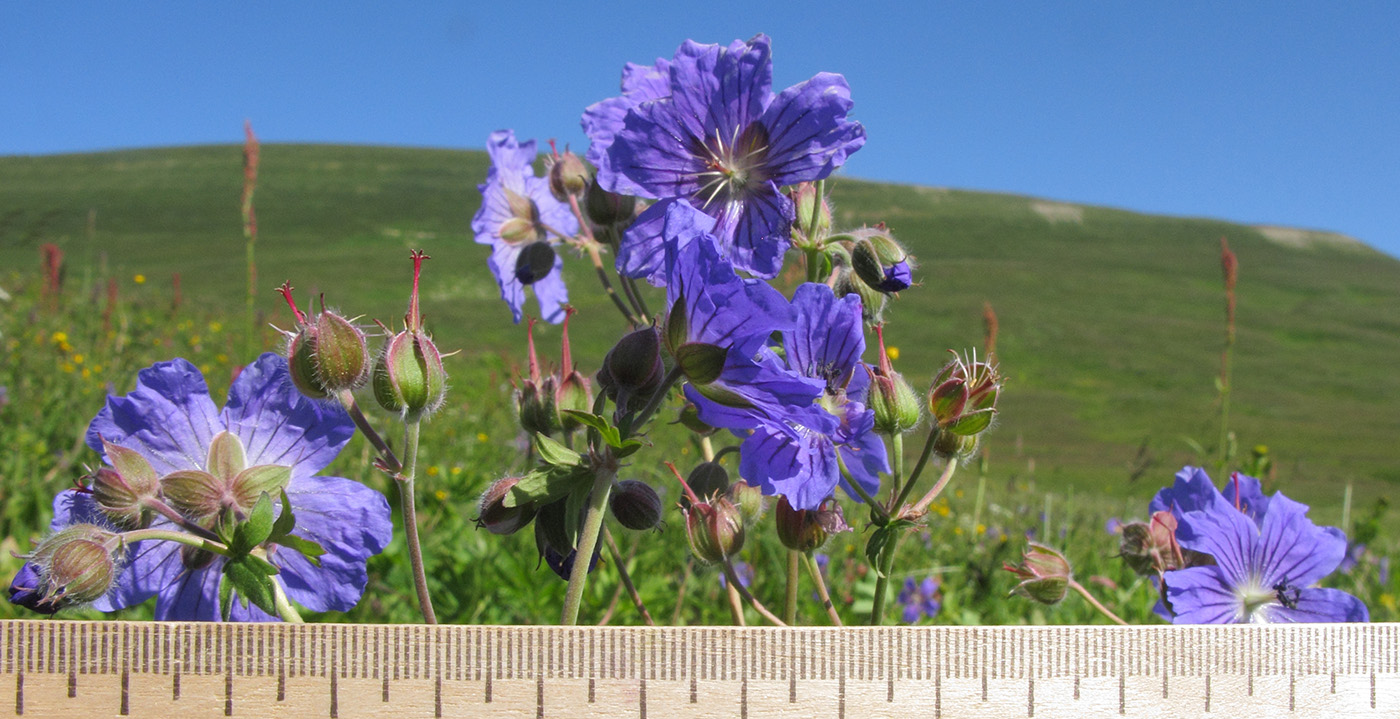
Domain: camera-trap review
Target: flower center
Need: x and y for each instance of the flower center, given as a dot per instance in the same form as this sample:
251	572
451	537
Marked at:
732	164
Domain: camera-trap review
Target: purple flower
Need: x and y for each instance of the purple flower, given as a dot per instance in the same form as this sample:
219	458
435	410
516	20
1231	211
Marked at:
744	571
171	421
794	451
898	277
920	599
721	139
1193	490
517	215
1265	567
603	120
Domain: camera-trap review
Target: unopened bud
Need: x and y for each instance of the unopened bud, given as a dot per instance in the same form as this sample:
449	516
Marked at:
74	566
635	504
326	354
408	376
608	208
708	480
715	530
964	396
690	419
880	261
700	362
535	261
123	491
749	500
567	177
897	408
633	369
805	201
495	516
1044	573
804	530
872	301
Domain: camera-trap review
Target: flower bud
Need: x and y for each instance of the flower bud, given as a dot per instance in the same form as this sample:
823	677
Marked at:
749	500
1150	548
635	504
409	377
881	262
535	262
707	480
123	491
804	530
76	565
964	396
327	353
805	234
897	408
567	176
872	301
700	362
954	446
552	528
1044	573
574	391
495	516
524	223
633	369
607	208
714	529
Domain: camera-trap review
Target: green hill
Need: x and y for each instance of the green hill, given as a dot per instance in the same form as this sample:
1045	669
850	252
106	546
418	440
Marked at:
1111	322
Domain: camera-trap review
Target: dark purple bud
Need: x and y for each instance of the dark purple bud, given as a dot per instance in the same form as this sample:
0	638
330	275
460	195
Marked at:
708	480
495	516
635	505
606	208
633	369
535	262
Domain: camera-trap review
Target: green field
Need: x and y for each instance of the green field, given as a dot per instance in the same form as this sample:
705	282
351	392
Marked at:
1111	321
1111	328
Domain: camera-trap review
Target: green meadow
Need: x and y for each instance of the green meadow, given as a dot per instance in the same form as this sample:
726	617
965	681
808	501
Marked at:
1110	331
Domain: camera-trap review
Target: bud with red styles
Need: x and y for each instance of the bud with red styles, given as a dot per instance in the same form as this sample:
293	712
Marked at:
897	408
1044	574
567	175
409	377
327	353
124	491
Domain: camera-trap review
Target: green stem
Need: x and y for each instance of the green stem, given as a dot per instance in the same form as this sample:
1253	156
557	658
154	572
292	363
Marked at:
173	536
743	591
1076	586
918	468
793	576
587	543
410	518
875	508
825	596
387	459
943	480
285	609
882	579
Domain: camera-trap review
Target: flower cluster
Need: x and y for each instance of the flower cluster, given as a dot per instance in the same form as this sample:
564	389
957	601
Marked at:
1254	559
178	465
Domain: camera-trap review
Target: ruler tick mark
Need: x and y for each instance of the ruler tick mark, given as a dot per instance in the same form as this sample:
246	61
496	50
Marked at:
228	692
488	687
744	699
335	698
792	690
175	684
437	696
1030	698
642	699
126	692
1207	692
72	682
1122	694
1076	686
539	697
693	698
19	692
592	688
889	691
384	689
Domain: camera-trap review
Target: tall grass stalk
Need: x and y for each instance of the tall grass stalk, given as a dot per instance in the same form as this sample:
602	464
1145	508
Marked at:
250	233
1230	267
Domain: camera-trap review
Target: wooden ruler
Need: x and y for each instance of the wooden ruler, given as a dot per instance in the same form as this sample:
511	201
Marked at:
70	668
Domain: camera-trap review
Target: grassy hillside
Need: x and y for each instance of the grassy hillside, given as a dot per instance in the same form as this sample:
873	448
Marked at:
1111	321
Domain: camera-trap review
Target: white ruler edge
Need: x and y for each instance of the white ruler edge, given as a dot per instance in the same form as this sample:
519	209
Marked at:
62	667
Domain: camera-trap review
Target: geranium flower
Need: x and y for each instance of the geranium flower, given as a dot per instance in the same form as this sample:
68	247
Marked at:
170	420
1264	571
920	599
721	139
516	218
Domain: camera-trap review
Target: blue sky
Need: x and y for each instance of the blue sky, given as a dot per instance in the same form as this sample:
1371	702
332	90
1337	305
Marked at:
1279	112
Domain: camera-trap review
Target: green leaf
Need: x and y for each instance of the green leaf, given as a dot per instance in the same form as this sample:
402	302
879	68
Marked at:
286	521
544	485
554	453
629	447
258	527
606	431
225	599
311	550
250	579
882	542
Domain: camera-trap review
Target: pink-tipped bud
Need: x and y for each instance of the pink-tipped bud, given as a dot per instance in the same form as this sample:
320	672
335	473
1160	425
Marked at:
495	516
574	391
76	565
608	209
327	353
409	377
1044	573
714	529
964	396
124	491
806	234
804	530
897	408
567	175
635	505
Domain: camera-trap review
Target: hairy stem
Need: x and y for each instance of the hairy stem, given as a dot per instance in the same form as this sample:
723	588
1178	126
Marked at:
882	579
587	543
1076	586
625	578
822	593
387	459
793	576
410	519
733	578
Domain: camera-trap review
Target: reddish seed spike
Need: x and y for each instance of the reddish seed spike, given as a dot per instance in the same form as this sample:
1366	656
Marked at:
885	367
689	493
534	359
566	356
413	319
286	291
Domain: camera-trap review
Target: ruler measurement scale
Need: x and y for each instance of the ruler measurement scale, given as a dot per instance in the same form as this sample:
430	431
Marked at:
62	668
